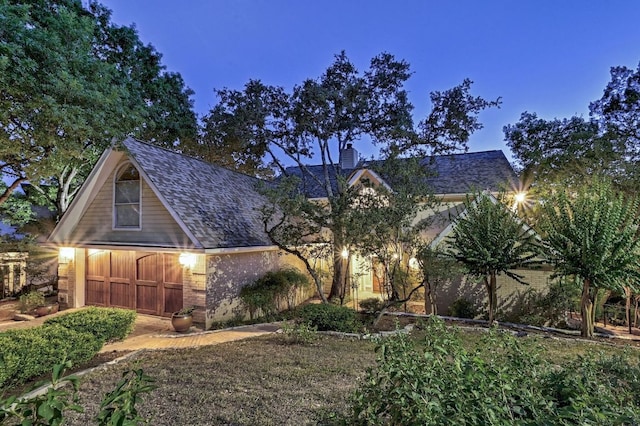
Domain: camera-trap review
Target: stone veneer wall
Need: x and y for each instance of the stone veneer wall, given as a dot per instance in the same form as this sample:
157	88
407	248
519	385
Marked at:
194	288
228	273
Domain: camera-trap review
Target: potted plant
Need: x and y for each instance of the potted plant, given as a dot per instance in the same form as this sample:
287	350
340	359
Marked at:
183	319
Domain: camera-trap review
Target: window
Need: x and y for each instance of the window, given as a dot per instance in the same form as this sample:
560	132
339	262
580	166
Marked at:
126	198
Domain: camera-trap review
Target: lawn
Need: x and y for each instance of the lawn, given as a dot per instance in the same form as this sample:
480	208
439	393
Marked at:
263	381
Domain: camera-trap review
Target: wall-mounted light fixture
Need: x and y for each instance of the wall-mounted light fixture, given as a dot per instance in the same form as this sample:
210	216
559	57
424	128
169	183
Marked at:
187	260
413	263
66	254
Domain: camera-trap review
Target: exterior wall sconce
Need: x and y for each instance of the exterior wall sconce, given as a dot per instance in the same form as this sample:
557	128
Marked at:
66	254
345	253
187	260
413	263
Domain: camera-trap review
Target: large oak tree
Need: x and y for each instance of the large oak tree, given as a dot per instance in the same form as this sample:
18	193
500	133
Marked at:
263	129
71	82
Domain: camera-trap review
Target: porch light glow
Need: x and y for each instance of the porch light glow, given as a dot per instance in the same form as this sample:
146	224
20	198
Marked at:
187	260
66	254
345	253
520	197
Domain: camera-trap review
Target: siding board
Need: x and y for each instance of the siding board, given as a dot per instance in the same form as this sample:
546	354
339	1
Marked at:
158	227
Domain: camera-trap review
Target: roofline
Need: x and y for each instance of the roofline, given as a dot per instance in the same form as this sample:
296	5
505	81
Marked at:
232	250
110	245
164	202
88	185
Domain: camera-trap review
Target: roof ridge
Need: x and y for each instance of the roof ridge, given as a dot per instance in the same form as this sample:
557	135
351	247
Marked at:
191	157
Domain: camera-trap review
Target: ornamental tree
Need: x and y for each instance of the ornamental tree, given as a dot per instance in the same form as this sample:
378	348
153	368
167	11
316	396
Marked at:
592	233
489	239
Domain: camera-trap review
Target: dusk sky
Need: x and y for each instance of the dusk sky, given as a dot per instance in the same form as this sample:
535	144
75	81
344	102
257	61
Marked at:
548	57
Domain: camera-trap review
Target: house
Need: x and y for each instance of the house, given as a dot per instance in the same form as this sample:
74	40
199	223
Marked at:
452	179
155	231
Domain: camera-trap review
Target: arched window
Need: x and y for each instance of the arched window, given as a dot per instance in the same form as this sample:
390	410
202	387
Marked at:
126	198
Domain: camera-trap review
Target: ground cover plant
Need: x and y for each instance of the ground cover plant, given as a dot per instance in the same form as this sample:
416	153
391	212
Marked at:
269	380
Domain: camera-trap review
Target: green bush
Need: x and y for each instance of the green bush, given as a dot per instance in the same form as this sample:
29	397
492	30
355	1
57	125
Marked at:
30	301
271	291
501	381
328	317
462	308
27	353
371	305
106	324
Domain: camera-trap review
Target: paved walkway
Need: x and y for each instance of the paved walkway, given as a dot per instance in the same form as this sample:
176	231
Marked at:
152	332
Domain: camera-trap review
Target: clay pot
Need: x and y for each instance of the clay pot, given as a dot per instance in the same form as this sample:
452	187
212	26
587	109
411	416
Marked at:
181	322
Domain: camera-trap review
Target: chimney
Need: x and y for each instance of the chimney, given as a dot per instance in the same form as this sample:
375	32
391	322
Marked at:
349	157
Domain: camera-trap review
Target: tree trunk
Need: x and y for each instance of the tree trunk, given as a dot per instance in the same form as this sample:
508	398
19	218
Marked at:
430	306
490	285
627	293
587	309
337	282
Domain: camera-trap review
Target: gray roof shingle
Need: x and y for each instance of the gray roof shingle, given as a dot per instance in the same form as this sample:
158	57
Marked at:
452	174
218	206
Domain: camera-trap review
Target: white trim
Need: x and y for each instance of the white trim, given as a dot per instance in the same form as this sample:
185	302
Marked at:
114	224
118	245
165	204
81	202
241	250
357	175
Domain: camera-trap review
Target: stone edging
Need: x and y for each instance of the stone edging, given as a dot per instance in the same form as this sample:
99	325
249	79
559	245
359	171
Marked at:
44	388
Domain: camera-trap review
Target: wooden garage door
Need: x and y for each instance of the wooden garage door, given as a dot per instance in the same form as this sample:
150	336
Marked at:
158	283
109	279
150	283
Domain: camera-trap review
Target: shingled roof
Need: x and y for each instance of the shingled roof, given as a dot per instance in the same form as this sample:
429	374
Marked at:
218	206
451	174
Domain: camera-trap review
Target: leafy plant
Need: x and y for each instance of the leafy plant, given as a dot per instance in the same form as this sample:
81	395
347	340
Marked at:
118	408
371	305
267	293
300	333
462	308
501	381
27	353
186	311
106	324
328	317
47	409
30	301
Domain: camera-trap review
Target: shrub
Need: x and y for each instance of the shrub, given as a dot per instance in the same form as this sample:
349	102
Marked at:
268	293
30	301
31	352
462	308
299	333
106	324
371	305
501	381
328	317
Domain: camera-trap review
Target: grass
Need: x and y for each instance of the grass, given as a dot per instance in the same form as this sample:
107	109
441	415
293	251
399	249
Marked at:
264	381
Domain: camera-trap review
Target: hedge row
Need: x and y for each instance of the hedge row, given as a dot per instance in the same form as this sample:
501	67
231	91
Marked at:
30	352
106	324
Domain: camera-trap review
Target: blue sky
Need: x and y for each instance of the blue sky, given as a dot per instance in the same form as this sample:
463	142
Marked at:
548	57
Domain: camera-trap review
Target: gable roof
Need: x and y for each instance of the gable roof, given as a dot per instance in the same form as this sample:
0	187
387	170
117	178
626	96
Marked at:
450	174
216	207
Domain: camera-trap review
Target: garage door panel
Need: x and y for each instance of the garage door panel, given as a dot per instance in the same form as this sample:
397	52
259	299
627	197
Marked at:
119	295
121	265
96	293
146	299
172	299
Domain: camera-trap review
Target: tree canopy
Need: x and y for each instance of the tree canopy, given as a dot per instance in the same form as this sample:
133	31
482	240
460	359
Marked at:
71	82
489	239
263	129
592	233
